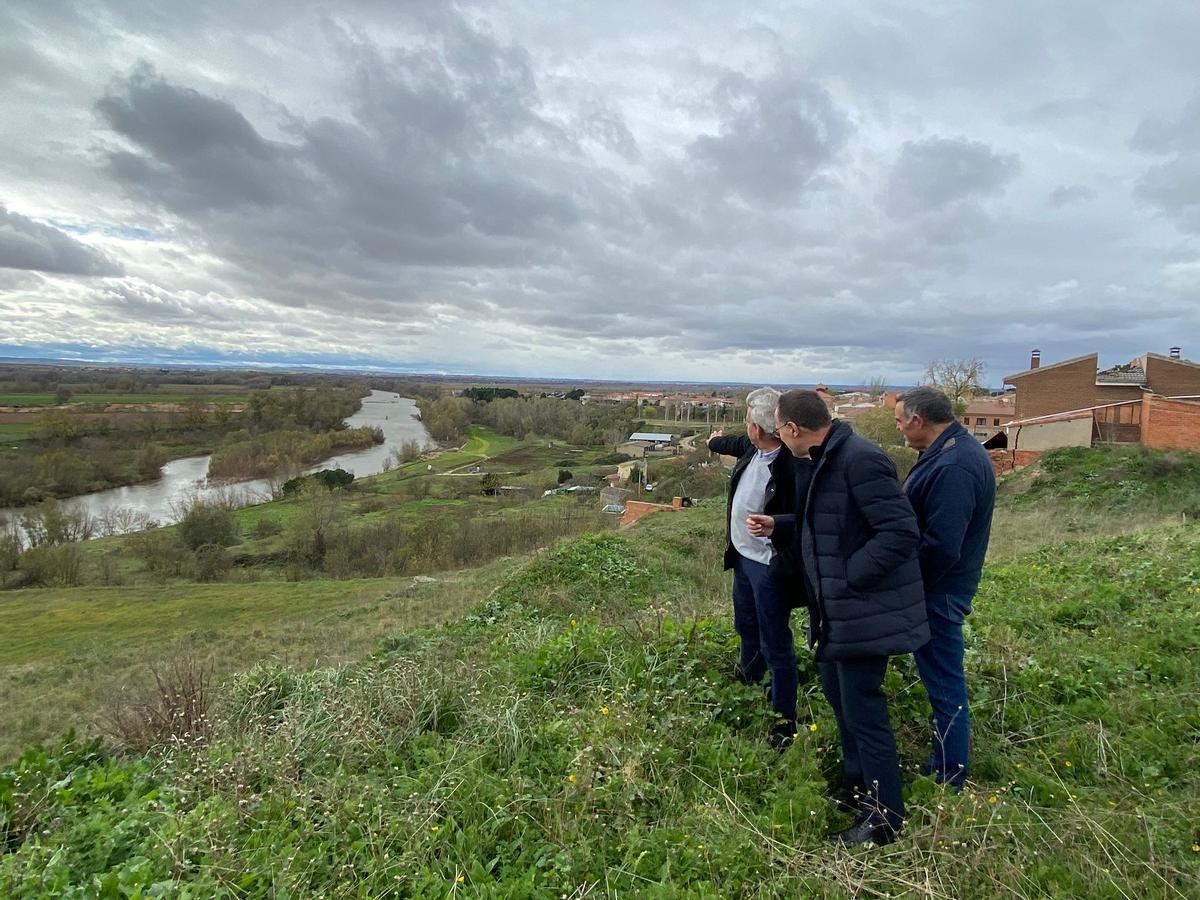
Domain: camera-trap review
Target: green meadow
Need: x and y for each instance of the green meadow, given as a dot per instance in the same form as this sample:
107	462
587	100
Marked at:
564	723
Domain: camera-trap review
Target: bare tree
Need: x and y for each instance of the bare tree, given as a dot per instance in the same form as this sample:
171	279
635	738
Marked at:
958	379
876	385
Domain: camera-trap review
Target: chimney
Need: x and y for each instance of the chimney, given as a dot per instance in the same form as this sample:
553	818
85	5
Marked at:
1174	353
1035	360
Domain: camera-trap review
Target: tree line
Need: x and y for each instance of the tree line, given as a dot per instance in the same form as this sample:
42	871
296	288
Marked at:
446	418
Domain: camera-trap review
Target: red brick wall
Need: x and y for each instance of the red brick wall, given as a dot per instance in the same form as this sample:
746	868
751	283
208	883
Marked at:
1057	389
1170	424
1004	461
1172	378
1115	393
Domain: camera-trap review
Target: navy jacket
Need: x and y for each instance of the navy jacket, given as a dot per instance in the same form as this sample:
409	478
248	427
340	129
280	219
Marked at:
952	489
858	543
780	494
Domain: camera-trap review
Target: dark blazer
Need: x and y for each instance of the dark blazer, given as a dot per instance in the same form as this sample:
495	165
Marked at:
780	495
952	489
858	544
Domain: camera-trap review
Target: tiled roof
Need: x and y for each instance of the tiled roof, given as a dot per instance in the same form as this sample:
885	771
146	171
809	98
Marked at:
1128	374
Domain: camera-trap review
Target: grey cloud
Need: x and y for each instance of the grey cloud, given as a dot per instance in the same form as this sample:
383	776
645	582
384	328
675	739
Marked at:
26	244
582	185
607	127
1177	135
936	172
1066	194
198	152
1173	186
774	136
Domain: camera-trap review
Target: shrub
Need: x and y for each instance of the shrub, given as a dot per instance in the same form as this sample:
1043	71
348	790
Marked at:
211	563
612	459
150	460
904	458
321	513
162	553
173	709
326	478
10	548
333	478
51	565
267	528
408	451
49	523
206	523
564	475
62	471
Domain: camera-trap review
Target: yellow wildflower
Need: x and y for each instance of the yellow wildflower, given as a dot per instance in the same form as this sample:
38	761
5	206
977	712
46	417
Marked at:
604	710
812	727
571	778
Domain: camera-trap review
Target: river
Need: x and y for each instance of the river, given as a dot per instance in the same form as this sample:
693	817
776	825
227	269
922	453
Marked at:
127	508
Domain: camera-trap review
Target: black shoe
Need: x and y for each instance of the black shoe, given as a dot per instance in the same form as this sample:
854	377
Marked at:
862	833
782	735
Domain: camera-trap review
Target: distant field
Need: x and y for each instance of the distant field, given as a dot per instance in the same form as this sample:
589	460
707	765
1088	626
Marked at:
26	399
159	398
14	432
209	395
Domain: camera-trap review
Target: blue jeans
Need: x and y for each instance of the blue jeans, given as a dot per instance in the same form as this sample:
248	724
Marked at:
940	663
760	617
870	763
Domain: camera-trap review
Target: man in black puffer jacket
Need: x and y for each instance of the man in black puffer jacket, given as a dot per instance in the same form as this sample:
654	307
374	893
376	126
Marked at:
858	541
762	481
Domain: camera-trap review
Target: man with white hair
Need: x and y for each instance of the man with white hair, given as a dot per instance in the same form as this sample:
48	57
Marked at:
763	481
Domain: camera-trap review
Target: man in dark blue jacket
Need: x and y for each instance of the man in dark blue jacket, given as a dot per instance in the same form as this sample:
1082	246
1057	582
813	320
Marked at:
858	543
762	480
952	489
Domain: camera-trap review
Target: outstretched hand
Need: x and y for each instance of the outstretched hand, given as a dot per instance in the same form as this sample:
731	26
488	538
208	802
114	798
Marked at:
759	525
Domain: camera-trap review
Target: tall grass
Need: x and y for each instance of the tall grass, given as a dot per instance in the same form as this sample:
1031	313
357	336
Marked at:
578	733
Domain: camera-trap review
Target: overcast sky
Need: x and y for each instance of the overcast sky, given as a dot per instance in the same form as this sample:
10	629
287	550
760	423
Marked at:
687	191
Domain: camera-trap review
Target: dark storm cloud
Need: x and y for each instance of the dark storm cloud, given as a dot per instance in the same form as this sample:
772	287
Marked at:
194	152
26	244
933	173
774	136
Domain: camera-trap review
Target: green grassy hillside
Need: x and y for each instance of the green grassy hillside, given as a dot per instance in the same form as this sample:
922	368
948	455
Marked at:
577	733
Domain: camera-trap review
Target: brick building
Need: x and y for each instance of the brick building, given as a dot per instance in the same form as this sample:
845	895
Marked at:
1153	400
1079	383
985	416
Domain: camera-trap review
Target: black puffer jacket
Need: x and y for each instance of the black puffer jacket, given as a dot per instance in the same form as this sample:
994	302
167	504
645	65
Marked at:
858	543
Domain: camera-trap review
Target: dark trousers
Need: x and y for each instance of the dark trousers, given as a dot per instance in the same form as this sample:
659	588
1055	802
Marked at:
870	765
760	617
940	663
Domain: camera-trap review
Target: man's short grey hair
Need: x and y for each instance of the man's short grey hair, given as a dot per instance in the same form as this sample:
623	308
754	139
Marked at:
761	404
929	403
